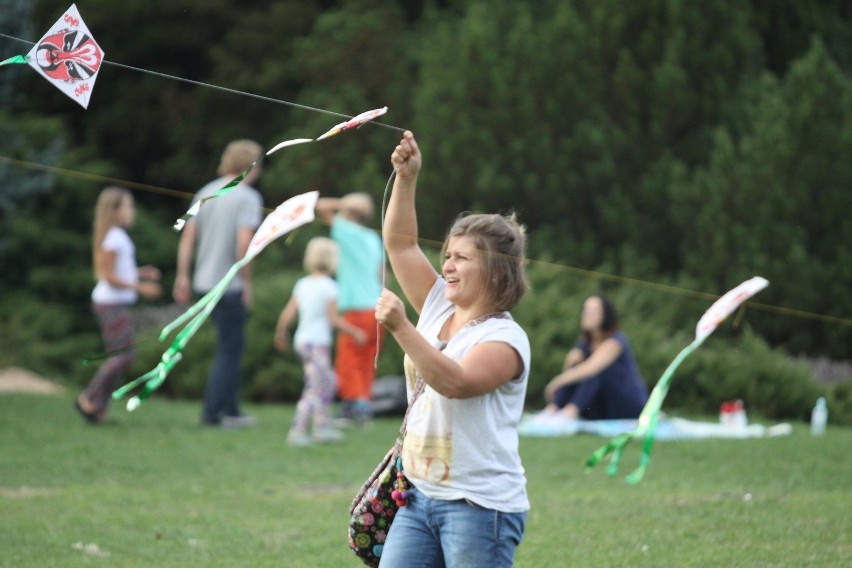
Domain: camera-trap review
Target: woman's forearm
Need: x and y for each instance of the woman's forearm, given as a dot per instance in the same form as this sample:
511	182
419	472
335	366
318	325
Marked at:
400	227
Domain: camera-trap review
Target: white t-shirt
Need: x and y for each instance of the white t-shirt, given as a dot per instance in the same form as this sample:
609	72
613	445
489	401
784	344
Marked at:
468	448
118	241
313	293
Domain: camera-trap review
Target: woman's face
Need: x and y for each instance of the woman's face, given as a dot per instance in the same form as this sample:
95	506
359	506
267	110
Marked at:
126	214
592	316
463	271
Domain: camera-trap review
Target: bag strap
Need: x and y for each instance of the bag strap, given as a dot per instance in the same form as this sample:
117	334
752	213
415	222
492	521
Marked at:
419	387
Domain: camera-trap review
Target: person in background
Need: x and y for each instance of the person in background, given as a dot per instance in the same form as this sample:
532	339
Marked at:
600	379
359	276
217	237
468	500
314	300
119	283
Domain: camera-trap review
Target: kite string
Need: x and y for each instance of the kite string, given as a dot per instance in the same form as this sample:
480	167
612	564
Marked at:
221	88
384	268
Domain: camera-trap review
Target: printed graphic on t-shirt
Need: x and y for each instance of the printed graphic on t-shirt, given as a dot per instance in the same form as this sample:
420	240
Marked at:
428	449
428	457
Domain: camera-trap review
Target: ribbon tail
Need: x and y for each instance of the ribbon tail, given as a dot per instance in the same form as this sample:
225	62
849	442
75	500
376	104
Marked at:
153	379
212	296
17	59
599	454
644	459
104	355
612	470
158	378
162	371
647	424
120	392
289	143
192	212
651	411
172	356
196	207
189	314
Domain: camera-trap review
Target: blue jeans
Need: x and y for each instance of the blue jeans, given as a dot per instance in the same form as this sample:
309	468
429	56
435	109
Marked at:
456	534
223	387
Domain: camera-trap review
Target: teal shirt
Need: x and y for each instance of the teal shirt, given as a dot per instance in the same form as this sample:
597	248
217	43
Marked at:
359	267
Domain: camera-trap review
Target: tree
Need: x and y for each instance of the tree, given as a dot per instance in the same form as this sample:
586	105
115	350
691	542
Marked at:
774	201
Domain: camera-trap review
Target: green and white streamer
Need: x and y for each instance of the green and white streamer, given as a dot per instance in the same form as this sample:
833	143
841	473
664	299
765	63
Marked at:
647	423
291	214
354	122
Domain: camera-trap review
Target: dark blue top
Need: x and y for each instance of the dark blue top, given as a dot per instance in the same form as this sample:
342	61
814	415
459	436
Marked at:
616	392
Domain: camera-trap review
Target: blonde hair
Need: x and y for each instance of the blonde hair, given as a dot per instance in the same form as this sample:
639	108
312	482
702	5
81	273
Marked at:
238	156
502	242
358	205
321	255
106	216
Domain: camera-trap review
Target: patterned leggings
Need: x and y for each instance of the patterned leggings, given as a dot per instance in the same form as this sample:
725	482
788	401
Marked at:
117	330
320	384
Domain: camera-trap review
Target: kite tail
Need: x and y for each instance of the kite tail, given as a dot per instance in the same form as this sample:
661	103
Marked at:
15	59
198	313
122	391
616	444
209	298
647	424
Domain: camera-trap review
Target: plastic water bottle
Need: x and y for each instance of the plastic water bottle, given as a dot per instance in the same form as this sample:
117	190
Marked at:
740	418
819	417
732	415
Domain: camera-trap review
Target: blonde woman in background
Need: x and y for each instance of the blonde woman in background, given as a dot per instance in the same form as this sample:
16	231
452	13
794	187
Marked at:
119	283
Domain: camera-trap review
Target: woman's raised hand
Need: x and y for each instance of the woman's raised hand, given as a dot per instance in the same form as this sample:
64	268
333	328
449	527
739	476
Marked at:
406	158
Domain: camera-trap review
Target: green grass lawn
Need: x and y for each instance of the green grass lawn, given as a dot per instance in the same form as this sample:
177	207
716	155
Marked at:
155	489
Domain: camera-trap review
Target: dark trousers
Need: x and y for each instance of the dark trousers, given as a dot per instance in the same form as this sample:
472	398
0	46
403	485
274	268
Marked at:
223	387
116	325
601	397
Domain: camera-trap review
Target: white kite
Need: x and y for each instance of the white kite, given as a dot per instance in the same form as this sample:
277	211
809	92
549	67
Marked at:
67	56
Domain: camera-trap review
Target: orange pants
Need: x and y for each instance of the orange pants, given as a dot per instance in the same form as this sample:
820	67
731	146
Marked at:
355	363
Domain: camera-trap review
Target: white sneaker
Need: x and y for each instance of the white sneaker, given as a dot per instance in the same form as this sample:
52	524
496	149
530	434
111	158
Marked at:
341	422
544	417
241	421
327	436
299	440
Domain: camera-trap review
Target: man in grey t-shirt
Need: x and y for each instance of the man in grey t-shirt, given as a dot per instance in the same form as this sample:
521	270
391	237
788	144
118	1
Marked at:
217	237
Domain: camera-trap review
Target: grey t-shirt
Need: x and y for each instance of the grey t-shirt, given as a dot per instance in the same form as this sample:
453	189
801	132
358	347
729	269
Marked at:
217	222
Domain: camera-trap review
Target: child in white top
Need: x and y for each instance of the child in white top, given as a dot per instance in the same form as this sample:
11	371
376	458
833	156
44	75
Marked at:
314	299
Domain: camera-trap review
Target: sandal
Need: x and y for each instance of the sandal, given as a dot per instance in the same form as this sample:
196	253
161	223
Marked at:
90	417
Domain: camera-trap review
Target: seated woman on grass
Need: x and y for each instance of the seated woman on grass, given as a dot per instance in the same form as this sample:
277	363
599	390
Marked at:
600	379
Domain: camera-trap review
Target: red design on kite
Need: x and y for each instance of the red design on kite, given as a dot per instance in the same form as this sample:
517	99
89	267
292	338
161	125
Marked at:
69	56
